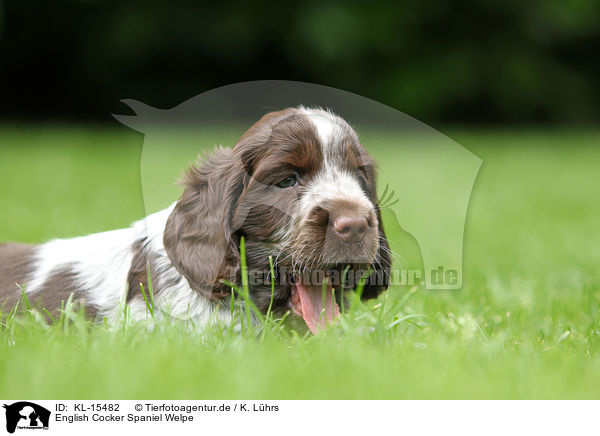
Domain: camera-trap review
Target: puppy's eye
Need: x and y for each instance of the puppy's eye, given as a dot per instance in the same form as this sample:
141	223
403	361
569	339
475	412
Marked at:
288	182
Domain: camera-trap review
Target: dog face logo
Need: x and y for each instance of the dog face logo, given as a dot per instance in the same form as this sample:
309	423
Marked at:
430	176
26	415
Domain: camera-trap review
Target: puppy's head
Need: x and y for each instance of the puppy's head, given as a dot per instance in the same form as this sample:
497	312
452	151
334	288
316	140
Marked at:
298	186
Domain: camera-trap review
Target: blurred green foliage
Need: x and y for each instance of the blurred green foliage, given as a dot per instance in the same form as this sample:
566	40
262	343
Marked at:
443	61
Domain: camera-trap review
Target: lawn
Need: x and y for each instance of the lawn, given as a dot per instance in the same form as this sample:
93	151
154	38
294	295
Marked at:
524	325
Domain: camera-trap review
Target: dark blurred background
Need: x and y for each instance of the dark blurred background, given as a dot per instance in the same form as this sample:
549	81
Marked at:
480	62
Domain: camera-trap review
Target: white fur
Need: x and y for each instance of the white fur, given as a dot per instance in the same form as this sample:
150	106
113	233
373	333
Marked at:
332	182
325	125
102	261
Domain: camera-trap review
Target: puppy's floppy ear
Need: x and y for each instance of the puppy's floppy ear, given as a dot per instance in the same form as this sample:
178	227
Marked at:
199	238
379	280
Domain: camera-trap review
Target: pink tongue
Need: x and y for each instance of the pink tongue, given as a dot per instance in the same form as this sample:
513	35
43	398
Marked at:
311	304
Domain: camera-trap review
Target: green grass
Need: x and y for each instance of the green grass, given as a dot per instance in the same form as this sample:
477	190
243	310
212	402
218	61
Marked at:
524	325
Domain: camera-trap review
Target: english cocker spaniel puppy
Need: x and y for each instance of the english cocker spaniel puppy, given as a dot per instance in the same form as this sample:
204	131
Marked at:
298	187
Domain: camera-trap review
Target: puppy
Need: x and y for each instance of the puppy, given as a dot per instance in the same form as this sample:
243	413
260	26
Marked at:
298	187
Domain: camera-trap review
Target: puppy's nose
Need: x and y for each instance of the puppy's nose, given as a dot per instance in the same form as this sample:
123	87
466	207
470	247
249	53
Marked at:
350	228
